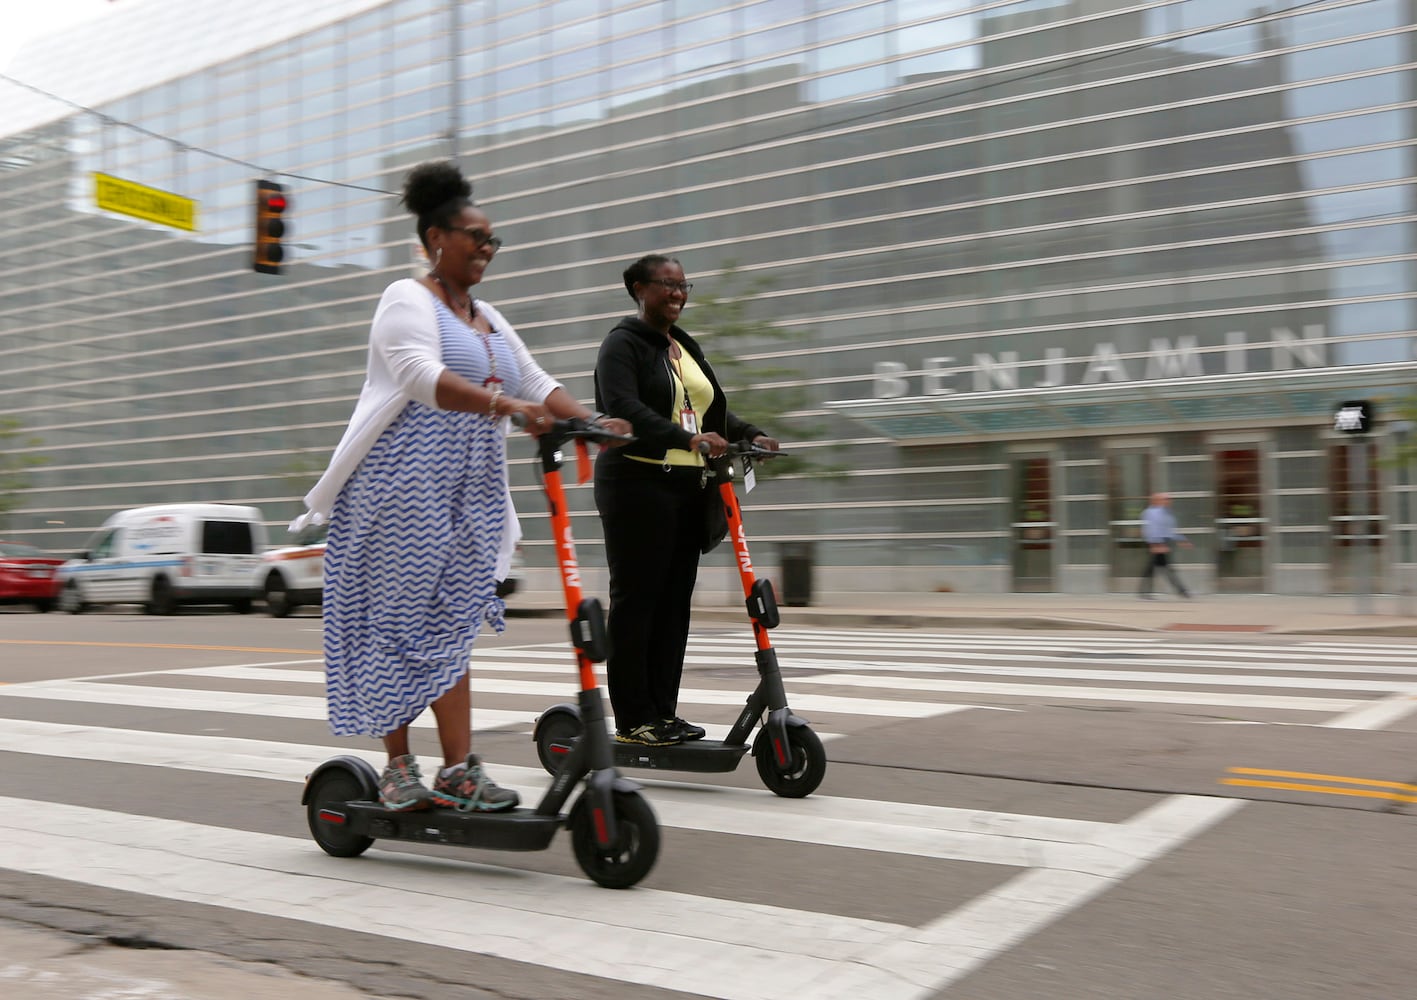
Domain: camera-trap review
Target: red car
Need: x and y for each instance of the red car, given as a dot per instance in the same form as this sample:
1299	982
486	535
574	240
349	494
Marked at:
27	575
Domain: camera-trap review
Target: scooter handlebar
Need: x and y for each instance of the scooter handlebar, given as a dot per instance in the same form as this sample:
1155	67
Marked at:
739	449
573	428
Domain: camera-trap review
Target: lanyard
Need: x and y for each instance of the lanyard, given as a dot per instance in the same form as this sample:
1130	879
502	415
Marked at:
678	370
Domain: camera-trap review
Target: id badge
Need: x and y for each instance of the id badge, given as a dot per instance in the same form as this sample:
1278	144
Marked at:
689	420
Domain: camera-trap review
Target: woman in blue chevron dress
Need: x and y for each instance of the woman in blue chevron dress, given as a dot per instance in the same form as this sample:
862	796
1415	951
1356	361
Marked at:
421	521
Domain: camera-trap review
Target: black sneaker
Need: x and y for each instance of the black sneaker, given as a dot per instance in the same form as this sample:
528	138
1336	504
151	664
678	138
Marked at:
649	735
684	730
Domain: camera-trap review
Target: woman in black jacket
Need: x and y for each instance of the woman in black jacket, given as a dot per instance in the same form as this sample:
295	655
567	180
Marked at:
654	497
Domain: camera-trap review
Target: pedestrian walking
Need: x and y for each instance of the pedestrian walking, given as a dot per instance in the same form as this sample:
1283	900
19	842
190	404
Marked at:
1159	531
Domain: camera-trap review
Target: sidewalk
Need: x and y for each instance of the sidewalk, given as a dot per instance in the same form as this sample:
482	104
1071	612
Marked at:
1217	613
42	964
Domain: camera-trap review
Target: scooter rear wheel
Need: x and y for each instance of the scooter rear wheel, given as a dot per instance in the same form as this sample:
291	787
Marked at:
554	738
636	848
806	763
331	791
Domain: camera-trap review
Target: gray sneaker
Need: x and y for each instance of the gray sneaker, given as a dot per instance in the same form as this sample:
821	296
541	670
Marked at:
401	786
469	789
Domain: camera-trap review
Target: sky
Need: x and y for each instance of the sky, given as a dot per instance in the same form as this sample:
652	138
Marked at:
23	20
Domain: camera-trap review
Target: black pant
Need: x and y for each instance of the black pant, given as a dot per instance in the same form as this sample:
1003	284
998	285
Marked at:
1162	561
653	522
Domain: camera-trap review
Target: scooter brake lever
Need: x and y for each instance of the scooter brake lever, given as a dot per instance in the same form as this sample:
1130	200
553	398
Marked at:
591	431
748	449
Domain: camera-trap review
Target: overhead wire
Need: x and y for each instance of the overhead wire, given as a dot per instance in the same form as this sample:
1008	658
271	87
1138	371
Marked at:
1258	15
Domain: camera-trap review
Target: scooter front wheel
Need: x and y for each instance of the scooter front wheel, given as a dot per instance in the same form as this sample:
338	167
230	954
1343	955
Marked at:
324	810
557	732
636	846
806	762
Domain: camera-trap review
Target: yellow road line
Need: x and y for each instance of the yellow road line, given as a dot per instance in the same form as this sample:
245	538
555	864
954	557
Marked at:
1322	789
1371	782
154	645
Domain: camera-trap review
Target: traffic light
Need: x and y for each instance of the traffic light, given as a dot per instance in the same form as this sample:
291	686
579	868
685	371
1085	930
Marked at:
271	204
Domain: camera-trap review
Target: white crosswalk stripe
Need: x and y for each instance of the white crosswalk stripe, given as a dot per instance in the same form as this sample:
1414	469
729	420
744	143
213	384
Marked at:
739	950
854	680
1319	679
904	828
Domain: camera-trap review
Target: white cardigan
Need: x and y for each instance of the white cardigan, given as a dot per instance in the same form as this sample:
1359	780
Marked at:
405	362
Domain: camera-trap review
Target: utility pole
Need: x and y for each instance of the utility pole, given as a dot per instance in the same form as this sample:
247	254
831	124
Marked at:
1358	490
1355	418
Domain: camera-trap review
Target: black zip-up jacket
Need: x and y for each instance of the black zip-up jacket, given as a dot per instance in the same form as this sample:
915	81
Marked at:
633	381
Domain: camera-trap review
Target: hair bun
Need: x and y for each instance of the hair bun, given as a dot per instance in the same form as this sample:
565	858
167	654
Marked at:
432	185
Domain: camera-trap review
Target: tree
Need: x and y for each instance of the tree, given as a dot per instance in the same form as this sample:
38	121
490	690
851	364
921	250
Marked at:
303	468
1399	411
728	320
14	464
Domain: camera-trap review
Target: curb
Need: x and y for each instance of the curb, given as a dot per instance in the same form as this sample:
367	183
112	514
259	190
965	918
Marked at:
831	617
912	619
1393	630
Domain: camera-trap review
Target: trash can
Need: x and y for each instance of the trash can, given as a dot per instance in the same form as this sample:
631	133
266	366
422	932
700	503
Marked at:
797	561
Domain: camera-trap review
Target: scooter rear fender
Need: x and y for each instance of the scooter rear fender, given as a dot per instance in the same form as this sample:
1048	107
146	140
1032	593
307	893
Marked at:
367	777
565	707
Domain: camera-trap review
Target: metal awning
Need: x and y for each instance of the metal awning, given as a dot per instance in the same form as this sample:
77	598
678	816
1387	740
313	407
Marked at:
1305	395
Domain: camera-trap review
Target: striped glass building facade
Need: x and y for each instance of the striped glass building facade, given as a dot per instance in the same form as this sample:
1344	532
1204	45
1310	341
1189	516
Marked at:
1026	262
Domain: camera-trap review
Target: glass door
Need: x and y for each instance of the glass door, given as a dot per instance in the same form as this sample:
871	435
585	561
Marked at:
1033	526
1357	528
1240	522
1129	489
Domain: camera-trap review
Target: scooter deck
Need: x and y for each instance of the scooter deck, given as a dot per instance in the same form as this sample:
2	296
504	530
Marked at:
704	756
514	830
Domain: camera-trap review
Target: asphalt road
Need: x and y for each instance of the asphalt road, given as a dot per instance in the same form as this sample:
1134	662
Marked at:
1004	816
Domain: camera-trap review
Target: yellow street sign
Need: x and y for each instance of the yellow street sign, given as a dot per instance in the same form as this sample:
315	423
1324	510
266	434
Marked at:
113	194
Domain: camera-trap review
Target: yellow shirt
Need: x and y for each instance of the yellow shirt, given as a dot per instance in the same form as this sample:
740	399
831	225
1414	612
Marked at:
688	377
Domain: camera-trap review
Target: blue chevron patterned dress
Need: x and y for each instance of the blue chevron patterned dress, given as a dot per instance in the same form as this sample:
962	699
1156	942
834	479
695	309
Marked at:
412	551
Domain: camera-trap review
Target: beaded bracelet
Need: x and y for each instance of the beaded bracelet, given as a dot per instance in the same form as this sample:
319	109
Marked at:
492	403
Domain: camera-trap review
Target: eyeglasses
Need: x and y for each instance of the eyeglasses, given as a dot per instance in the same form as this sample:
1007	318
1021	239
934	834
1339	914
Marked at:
671	286
479	238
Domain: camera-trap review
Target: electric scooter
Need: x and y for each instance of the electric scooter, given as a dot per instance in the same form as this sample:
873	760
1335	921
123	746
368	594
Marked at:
789	755
614	832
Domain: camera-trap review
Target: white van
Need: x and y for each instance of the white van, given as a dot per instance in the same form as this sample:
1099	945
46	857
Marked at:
167	555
